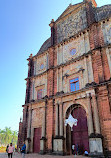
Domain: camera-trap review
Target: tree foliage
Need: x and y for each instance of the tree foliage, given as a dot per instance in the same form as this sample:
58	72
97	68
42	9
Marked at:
8	136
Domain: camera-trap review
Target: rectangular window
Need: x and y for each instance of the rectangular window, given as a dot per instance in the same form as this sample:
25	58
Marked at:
39	94
74	84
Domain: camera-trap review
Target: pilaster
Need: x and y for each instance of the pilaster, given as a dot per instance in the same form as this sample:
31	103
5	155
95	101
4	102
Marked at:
109	60
95	138
90	119
43	139
91	68
59	139
61	119
96	115
86	80
56	121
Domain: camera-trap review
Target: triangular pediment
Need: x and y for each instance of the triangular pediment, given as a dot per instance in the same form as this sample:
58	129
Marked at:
71	8
68	10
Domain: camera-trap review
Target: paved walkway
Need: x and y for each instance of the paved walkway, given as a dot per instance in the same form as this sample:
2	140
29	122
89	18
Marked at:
17	155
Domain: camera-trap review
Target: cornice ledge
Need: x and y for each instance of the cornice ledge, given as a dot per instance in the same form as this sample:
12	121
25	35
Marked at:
104	83
72	93
94	84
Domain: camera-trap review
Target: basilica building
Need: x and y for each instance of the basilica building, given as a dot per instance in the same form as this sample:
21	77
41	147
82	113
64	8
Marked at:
69	79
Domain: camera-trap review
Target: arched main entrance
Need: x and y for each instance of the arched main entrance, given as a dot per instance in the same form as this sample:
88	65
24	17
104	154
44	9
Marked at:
79	135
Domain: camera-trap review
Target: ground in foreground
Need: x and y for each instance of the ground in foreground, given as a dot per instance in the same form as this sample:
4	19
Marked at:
18	155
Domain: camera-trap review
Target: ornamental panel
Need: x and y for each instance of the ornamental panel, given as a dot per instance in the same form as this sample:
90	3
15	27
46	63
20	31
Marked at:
71	25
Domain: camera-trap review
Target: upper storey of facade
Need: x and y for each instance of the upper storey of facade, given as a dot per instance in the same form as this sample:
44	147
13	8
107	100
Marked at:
80	38
70	34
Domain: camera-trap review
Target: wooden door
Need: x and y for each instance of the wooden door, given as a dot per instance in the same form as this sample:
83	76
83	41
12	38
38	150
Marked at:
36	140
79	135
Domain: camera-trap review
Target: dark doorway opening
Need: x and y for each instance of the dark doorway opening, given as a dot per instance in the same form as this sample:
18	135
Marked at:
79	134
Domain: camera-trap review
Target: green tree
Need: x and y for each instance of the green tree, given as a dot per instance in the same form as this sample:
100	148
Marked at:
14	137
7	136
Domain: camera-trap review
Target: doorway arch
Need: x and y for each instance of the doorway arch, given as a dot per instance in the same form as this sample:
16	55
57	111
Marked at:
79	135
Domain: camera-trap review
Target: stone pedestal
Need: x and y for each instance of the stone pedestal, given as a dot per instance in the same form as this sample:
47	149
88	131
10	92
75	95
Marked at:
58	145
95	145
27	142
43	145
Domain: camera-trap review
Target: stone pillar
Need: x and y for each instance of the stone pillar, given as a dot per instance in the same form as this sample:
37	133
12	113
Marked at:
84	48
95	141
90	120
29	123
33	90
86	71
32	136
59	139
57	80
96	115
43	125
56	121
53	32
29	131
61	119
109	60
35	62
91	68
43	139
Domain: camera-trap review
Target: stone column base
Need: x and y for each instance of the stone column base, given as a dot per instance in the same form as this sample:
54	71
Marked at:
43	145
28	145
107	153
95	145
58	145
96	155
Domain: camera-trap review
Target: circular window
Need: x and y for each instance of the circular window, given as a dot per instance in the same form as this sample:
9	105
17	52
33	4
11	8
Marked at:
41	66
73	51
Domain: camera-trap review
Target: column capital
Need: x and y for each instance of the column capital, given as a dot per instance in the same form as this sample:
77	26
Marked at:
61	103
30	109
93	95
56	104
88	95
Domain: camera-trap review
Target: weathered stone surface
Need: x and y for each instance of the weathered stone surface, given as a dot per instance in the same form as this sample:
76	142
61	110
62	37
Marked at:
106	28
103	12
71	25
52	71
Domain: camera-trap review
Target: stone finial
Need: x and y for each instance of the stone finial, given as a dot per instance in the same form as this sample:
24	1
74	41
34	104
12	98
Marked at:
70	4
92	1
30	56
52	23
52	20
20	119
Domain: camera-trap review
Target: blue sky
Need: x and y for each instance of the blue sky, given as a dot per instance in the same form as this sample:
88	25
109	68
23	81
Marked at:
24	26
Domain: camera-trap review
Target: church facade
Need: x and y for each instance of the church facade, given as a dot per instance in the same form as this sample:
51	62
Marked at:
71	76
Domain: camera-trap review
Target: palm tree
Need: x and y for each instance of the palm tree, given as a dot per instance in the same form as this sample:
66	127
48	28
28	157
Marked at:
14	137
2	137
7	136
